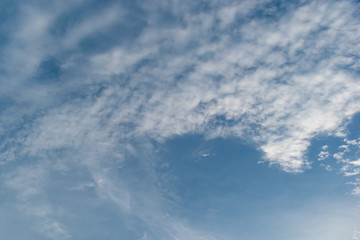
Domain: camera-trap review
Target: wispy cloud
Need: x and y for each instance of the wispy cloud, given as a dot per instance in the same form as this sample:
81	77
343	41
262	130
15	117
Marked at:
29	183
252	70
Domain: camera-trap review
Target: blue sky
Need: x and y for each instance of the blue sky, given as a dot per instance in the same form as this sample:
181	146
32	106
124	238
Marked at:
179	120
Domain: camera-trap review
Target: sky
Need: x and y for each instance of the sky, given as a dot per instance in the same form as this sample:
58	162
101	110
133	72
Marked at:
179	120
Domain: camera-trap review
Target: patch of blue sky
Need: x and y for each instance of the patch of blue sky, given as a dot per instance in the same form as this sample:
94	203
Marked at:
352	130
226	188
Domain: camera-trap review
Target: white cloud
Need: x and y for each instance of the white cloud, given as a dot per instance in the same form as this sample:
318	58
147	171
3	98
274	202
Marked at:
328	168
348	157
323	155
29	182
276	83
92	25
115	192
356	191
53	230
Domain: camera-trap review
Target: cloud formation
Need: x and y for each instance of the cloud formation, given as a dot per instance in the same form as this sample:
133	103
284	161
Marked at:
122	75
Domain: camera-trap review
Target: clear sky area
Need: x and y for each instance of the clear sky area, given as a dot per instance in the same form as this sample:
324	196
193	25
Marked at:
179	120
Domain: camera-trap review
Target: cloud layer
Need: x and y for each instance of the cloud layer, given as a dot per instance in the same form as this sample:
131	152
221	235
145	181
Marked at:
92	86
